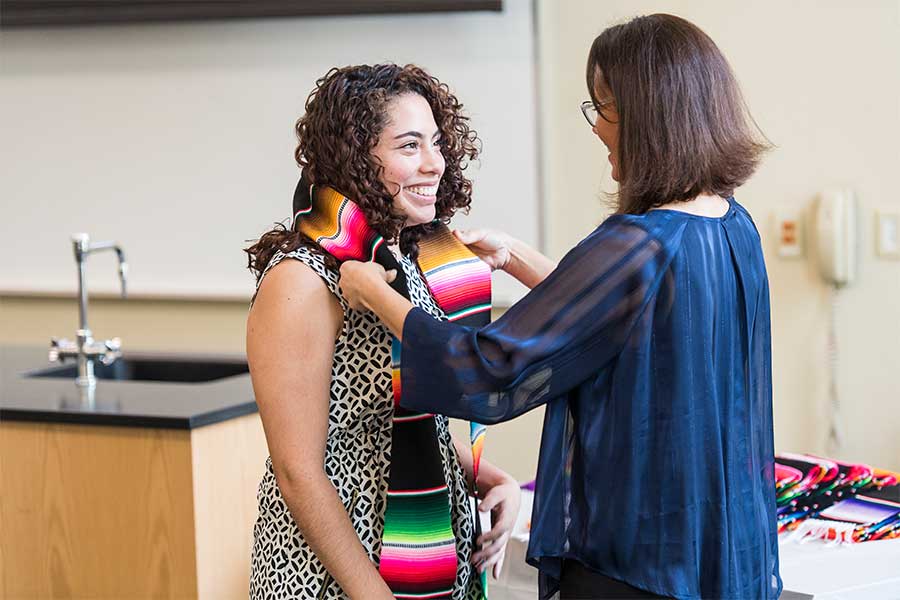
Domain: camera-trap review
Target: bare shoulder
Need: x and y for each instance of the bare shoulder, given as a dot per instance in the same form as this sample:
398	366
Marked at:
291	295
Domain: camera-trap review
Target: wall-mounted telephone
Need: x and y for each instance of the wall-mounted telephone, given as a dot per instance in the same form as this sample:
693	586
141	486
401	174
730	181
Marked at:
834	223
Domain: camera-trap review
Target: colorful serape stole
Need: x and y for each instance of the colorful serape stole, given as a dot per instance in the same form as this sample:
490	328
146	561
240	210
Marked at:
835	501
418	553
337	225
786	477
461	284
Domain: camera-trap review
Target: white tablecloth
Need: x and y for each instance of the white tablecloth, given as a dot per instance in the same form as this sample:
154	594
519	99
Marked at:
810	571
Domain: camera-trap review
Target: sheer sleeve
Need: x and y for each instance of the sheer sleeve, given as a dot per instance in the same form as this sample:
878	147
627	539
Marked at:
566	329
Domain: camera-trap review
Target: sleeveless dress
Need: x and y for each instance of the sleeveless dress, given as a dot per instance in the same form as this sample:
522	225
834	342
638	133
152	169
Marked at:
357	457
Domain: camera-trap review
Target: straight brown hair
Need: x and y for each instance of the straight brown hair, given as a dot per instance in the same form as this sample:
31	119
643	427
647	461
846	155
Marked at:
684	128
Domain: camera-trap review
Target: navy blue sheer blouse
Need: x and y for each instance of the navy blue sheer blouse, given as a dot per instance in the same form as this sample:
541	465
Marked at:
650	345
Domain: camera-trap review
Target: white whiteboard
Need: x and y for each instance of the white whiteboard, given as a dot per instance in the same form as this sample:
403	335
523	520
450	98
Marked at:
177	140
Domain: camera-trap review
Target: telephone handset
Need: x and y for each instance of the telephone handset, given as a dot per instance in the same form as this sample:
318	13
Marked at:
835	226
834	221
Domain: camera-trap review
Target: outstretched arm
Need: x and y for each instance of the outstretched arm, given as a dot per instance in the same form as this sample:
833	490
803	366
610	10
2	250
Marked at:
569	327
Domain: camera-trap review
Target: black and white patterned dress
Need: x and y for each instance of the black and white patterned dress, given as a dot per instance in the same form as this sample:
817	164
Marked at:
357	458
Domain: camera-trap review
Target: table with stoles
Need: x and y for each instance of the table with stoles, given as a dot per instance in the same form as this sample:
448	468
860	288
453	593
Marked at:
811	570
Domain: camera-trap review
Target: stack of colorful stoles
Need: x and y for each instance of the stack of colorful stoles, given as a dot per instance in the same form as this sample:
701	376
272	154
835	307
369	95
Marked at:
835	501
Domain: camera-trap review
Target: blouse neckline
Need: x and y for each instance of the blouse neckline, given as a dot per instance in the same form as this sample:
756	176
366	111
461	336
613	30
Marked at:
728	213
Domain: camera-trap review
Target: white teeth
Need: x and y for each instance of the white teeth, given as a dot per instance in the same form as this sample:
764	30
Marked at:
424	191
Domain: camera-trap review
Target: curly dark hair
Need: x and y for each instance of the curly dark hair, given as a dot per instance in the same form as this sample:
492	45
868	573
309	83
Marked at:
345	114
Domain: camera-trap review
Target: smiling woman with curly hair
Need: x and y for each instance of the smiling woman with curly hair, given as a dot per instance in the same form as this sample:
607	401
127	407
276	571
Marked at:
345	115
361	498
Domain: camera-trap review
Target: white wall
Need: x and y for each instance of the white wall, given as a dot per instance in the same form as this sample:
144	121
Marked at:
177	139
822	78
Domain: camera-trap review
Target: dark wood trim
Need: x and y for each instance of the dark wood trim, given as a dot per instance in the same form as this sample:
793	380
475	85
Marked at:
25	13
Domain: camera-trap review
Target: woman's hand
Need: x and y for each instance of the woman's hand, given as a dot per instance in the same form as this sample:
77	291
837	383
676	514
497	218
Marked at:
502	500
502	251
490	245
360	279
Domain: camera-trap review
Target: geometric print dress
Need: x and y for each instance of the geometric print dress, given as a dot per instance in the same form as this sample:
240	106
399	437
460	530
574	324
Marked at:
357	458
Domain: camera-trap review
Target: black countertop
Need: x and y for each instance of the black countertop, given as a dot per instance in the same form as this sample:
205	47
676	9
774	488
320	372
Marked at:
155	404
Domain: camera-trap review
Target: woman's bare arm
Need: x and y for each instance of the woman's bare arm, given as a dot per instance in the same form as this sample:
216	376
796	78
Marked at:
290	345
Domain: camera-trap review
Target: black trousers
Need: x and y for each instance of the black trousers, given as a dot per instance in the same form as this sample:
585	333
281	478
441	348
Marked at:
580	583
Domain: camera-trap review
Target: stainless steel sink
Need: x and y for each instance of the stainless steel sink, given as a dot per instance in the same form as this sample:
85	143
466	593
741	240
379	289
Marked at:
178	370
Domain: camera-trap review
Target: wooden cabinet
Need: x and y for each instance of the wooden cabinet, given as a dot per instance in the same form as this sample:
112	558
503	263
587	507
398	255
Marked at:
91	511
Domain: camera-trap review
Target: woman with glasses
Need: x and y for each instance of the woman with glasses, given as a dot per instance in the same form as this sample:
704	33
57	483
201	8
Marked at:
649	343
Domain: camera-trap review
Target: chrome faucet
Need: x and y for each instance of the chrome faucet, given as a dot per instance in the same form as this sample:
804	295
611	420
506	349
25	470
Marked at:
85	349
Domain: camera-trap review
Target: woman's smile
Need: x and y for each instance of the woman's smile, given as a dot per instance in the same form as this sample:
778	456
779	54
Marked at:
425	194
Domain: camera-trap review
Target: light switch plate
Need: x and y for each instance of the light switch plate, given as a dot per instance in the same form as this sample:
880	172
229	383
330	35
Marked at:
789	234
887	234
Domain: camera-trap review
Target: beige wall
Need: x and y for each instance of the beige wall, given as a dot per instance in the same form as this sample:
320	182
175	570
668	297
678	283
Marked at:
822	79
146	325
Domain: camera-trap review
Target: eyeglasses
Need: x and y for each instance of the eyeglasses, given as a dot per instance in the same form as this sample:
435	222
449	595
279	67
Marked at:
590	110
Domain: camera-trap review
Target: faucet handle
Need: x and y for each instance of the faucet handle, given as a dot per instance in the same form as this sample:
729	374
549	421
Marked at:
113	351
60	349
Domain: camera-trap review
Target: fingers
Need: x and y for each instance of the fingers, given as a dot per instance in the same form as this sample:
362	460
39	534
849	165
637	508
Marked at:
502	526
357	278
355	269
503	504
493	561
469	236
498	566
375	267
495	533
491	499
498	500
489	554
